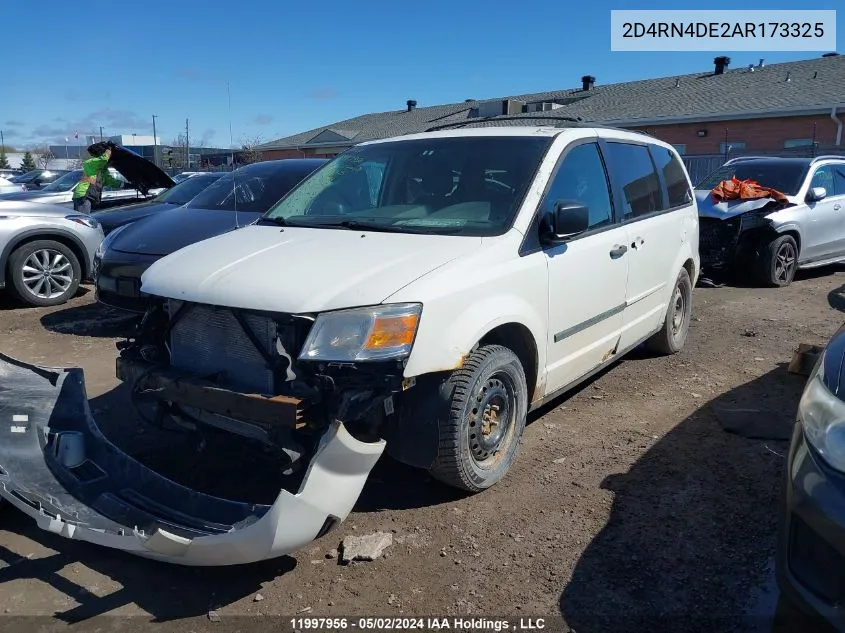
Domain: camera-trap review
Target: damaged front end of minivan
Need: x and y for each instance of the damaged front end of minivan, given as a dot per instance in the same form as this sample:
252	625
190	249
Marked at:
255	374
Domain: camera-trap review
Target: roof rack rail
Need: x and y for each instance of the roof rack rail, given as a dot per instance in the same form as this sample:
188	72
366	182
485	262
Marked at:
739	159
827	157
575	121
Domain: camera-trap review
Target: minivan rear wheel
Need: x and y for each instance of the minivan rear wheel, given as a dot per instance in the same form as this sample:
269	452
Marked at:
488	406
44	273
672	336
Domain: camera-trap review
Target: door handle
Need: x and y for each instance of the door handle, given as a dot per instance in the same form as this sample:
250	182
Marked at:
618	251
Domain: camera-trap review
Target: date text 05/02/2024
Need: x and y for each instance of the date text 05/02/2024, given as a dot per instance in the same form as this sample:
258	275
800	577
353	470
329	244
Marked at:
468	624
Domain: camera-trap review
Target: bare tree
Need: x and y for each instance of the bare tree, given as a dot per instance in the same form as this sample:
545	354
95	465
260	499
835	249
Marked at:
250	153
44	157
173	154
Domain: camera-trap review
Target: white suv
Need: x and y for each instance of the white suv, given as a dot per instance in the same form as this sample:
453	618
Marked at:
418	295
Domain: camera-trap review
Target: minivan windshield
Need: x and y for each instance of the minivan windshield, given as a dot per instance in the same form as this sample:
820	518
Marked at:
471	185
65	183
785	176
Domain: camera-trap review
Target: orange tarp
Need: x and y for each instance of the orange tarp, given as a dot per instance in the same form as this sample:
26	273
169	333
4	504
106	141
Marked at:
735	189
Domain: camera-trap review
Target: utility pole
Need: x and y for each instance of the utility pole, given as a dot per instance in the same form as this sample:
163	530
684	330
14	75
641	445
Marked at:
187	148
155	143
2	142
101	133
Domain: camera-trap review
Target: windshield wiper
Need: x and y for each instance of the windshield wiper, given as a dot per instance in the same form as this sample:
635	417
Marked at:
357	225
276	221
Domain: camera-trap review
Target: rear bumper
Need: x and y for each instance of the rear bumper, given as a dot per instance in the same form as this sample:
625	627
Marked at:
58	468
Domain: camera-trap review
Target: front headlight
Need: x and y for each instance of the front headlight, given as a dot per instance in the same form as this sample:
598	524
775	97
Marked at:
377	333
823	417
104	245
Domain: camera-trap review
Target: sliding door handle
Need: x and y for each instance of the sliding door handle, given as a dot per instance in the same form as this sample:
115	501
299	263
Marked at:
618	251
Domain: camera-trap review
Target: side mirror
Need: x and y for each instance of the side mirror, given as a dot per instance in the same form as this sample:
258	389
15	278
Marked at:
567	219
817	193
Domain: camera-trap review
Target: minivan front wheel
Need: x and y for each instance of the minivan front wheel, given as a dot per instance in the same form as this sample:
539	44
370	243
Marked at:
488	405
44	273
672	336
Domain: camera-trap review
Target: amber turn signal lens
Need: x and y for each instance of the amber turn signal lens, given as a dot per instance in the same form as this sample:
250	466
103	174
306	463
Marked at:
392	331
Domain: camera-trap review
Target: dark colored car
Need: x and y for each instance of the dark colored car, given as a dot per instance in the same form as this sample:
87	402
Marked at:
38	178
181	193
10	174
234	200
811	554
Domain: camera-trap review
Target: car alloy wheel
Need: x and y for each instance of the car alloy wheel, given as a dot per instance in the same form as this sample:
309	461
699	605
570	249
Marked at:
47	273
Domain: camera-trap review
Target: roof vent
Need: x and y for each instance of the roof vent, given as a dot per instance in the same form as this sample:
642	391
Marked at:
762	63
411	104
751	68
469	100
678	82
816	75
587	82
833	54
721	63
789	76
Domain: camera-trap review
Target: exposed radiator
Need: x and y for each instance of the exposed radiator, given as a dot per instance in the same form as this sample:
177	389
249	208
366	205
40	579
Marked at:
209	341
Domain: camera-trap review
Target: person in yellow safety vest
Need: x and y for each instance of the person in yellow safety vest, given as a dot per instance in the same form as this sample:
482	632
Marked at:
95	176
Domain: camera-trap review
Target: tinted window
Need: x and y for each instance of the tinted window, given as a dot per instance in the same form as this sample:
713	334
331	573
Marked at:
581	177
66	182
784	175
460	185
839	177
254	188
677	187
187	190
634	173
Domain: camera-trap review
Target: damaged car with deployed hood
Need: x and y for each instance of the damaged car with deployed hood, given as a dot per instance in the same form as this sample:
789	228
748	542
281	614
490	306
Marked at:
416	296
792	220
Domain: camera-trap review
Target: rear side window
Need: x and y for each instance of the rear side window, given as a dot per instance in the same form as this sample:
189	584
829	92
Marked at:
634	173
677	187
839	179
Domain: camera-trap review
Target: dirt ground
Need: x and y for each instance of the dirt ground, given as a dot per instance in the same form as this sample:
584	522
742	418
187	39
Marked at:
629	506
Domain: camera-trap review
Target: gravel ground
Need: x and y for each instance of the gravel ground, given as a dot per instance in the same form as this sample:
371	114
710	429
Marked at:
629	507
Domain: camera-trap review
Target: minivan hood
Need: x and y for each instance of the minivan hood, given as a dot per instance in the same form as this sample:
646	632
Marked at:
14	207
707	208
175	228
36	196
300	270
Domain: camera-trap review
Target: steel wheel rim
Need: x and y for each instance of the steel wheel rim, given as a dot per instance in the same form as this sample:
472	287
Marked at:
784	262
679	310
47	273
491	418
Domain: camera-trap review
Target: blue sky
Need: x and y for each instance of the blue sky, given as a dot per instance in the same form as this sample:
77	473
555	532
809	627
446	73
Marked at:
293	66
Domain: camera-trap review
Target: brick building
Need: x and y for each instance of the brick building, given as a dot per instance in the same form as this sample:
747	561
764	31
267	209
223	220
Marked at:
794	107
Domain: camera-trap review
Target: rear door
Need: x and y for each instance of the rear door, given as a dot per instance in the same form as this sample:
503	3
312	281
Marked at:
652	192
587	274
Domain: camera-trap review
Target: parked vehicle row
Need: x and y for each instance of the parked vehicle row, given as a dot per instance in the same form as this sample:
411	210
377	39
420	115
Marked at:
416	295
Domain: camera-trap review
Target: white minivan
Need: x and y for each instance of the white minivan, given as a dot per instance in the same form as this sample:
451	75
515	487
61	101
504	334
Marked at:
416	295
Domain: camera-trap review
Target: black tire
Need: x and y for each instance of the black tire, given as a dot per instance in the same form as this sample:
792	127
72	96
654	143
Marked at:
778	261
491	378
672	336
62	279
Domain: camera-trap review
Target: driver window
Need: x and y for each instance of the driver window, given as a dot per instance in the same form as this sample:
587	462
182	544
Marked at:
824	178
581	177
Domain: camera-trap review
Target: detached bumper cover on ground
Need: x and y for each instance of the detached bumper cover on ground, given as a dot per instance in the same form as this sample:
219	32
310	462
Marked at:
57	467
